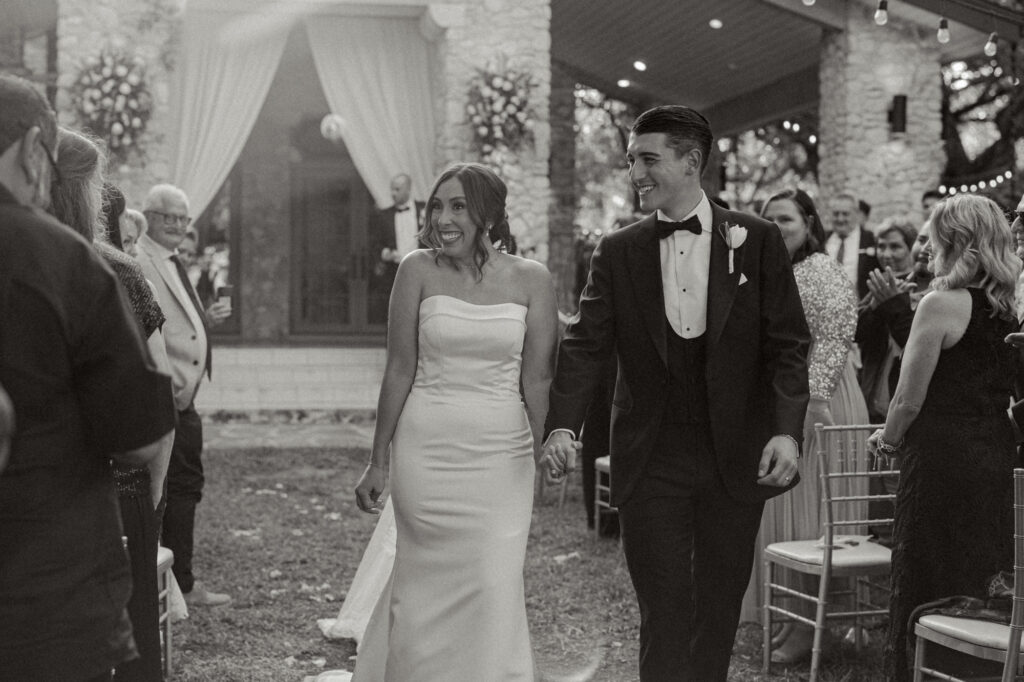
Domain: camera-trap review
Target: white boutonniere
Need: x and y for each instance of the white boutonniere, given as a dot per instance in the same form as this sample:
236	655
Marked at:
869	252
734	236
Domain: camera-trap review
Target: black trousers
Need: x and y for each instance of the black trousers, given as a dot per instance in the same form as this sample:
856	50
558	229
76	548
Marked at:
184	491
139	523
690	548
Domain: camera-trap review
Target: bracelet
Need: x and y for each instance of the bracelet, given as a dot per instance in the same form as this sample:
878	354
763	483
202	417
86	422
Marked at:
798	453
887	449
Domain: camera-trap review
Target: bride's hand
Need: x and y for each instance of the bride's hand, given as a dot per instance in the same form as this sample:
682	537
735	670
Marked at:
370	488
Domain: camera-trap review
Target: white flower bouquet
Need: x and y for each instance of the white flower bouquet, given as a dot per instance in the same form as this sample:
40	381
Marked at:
498	110
112	100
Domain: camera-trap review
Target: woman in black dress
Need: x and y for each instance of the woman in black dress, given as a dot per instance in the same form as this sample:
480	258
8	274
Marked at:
948	422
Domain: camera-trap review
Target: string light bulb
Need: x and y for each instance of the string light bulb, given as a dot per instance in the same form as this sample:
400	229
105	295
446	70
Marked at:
942	35
882	13
991	47
808	2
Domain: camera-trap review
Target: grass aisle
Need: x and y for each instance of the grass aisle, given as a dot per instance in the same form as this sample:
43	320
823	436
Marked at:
279	530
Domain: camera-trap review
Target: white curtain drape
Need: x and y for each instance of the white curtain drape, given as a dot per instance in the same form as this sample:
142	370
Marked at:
375	73
228	63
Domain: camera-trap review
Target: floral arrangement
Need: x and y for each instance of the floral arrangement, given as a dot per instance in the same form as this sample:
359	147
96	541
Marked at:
498	109
112	99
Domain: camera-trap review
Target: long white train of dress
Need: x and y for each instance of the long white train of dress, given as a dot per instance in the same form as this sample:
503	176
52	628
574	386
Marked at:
368	583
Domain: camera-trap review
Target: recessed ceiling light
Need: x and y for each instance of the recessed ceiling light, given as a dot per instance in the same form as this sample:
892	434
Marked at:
640	65
623	83
716	24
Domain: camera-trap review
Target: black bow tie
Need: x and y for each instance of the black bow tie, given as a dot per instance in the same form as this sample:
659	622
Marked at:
403	208
667	227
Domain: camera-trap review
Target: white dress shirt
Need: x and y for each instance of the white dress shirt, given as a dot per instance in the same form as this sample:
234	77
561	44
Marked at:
685	261
851	252
406	230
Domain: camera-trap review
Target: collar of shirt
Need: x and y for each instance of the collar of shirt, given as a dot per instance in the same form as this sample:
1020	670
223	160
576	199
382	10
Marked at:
851	240
702	210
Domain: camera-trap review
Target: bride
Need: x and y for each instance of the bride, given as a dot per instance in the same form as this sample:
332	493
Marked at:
471	342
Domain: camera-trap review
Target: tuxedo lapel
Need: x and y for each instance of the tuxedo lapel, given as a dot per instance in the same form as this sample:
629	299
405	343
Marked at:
721	284
163	269
644	264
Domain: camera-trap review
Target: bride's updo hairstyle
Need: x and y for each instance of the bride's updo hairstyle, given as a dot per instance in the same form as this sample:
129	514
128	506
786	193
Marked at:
485	200
972	244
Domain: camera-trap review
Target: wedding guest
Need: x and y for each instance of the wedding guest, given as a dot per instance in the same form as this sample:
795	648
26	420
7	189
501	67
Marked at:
113	209
886	314
85	391
830	307
948	422
394	233
188	350
928	201
77	202
132	226
849	244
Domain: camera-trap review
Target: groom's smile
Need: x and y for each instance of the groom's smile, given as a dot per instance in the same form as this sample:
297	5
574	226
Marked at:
660	174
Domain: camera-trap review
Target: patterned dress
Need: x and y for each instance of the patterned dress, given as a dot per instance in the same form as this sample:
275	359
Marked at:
954	505
830	306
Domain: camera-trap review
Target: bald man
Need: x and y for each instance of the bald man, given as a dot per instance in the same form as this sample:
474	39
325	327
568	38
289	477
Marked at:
394	232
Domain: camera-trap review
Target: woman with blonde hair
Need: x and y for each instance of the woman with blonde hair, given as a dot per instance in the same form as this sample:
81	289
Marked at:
947	423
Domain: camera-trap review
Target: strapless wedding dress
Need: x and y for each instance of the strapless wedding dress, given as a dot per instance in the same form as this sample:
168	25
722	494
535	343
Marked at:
461	484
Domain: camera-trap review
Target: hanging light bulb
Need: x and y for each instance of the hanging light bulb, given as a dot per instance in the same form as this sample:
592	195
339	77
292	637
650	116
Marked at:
882	13
991	46
808	2
943	33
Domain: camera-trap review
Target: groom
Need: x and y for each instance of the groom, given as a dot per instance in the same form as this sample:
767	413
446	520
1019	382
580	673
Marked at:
709	332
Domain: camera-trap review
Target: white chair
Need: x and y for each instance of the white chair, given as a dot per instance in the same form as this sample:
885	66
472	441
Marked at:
602	490
164	561
845	469
979	638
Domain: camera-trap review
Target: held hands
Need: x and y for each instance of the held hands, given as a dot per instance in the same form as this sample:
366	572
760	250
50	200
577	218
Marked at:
873	439
779	457
370	488
559	456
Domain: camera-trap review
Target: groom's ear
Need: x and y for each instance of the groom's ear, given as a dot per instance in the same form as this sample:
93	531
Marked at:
694	161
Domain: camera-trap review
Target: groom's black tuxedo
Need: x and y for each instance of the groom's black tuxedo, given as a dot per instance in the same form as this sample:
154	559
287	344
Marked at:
757	342
686	487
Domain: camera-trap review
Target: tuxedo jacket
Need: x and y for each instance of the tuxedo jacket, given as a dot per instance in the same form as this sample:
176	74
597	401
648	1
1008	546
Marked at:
384	227
867	261
757	344
185	353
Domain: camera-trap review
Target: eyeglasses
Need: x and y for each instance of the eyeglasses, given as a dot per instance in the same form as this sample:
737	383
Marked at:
171	219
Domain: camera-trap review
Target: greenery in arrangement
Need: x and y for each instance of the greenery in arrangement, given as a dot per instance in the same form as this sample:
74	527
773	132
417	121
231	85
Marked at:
499	109
112	99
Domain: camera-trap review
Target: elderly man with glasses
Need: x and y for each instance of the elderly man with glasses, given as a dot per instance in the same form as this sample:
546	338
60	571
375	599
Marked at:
188	350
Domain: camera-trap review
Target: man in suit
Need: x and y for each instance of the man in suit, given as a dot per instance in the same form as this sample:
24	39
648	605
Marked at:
188	350
704	318
850	244
394	233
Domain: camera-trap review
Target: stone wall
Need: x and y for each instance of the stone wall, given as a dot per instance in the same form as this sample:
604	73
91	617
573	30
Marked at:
147	28
861	69
520	31
562	212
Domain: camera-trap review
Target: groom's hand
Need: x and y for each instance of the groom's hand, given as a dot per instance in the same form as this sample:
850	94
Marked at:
560	454
778	462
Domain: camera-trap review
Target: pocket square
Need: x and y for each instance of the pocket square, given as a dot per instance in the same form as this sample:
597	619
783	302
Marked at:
743	279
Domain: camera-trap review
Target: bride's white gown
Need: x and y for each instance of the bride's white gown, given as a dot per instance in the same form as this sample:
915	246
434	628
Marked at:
462	489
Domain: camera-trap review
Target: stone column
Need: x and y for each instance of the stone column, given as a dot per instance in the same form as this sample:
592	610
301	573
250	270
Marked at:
148	29
562	212
862	68
518	31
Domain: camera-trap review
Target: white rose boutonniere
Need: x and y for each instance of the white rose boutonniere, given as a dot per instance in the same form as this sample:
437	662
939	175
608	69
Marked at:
869	252
734	236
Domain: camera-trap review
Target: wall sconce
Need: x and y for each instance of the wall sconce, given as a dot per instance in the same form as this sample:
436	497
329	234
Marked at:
898	115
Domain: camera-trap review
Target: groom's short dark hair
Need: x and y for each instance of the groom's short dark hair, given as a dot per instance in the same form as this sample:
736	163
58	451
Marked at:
684	127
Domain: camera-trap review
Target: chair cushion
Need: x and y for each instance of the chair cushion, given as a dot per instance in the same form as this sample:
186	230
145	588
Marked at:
850	551
978	632
164	559
603	463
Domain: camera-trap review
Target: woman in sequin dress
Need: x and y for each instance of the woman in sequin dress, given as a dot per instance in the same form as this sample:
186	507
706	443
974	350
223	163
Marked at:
830	306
